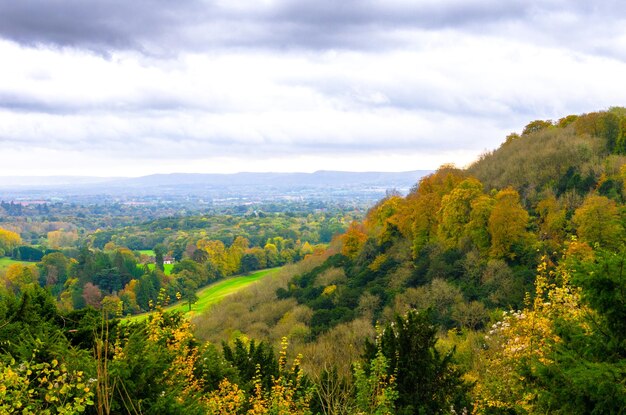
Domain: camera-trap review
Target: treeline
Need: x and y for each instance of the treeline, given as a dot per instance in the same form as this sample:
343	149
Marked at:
122	277
179	233
34	221
257	227
86	270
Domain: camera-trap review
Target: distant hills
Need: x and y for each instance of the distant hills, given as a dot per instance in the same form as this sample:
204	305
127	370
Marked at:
318	178
258	186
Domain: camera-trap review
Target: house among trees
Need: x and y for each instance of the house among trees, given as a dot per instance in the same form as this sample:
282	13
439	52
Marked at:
167	259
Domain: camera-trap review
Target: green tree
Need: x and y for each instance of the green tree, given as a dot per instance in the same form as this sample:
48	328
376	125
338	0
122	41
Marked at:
427	381
159	251
189	289
536	126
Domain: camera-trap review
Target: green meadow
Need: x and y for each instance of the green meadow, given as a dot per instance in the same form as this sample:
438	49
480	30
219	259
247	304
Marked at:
213	293
167	268
5	262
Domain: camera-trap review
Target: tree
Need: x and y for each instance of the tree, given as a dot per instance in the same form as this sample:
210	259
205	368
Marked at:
427	381
159	251
375	393
60	238
92	295
249	262
507	223
456	208
272	256
353	240
18	276
600	124
477	229
598	221
8	241
536	126
189	289
54	269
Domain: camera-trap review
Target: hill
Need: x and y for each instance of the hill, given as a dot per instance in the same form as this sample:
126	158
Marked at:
469	246
574	155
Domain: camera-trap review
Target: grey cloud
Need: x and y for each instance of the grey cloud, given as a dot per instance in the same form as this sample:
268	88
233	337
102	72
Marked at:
99	25
146	103
164	26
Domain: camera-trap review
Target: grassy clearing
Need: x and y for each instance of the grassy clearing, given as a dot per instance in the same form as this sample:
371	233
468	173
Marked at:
5	262
148	252
167	268
213	293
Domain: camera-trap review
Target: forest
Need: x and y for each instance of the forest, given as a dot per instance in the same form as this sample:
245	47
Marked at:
495	289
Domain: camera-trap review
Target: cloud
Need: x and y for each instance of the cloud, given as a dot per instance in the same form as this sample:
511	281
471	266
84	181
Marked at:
238	84
163	27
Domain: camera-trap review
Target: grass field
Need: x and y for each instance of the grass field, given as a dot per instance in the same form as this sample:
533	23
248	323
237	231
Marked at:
148	252
213	293
167	268
6	261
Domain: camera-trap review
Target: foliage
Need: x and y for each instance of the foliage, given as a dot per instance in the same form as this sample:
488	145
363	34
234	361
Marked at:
375	393
427	381
45	388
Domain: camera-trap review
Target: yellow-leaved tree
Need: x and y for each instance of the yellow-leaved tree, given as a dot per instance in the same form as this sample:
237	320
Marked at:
524	341
456	209
598	221
8	241
507	223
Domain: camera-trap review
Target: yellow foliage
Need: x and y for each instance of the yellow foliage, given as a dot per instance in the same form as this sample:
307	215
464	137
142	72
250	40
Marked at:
377	262
286	396
353	240
526	336
329	290
18	276
598	221
507	223
9	240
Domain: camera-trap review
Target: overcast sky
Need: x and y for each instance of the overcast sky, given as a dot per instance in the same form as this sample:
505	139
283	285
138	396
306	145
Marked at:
127	88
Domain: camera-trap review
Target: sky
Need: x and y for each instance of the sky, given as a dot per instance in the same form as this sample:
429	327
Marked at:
130	88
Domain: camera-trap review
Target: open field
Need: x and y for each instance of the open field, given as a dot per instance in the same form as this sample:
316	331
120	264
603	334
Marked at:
167	268
6	261
213	293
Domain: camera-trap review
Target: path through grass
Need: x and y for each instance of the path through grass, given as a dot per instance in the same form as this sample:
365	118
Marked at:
213	293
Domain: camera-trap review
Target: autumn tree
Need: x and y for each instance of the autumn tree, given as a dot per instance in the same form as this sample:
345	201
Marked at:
61	238
552	222
92	295
600	124
19	276
536	126
477	229
8	241
456	208
507	223
418	216
54	269
598	221
377	220
353	240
